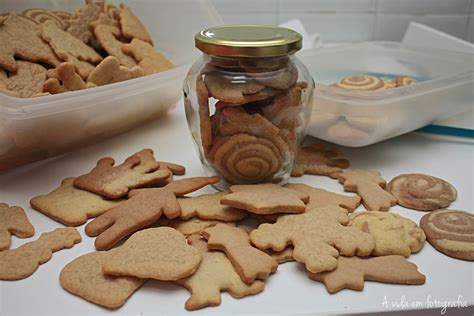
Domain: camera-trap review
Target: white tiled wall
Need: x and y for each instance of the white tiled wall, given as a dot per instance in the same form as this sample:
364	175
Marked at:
355	20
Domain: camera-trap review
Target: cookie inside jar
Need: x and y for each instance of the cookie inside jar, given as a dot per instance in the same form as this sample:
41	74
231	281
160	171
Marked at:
252	112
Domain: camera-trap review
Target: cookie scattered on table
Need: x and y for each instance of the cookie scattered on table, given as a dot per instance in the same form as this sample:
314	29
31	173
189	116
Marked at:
71	206
249	262
266	198
191	226
286	255
215	274
114	182
21	262
315	159
393	233
370	186
172	168
207	206
318	237
154	253
450	232
422	192
143	208
84	277
323	198
13	221
353	271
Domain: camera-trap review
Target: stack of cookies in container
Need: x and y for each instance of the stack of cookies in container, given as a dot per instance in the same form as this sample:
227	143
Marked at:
48	52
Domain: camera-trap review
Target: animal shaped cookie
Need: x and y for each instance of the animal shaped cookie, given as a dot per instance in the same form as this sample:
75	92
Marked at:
191	226
266	198
110	71
114	182
249	262
13	221
21	37
215	274
148	57
143	208
322	198
26	82
227	90
21	262
351	272
318	236
71	206
131	26
208	206
315	159
370	186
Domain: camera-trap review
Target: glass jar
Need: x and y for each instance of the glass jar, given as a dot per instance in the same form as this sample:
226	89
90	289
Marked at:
247	102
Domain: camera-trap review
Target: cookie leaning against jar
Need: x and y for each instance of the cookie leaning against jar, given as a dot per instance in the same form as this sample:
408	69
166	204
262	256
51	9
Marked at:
247	101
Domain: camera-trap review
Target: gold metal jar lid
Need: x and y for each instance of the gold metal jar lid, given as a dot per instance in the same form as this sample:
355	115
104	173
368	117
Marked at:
248	40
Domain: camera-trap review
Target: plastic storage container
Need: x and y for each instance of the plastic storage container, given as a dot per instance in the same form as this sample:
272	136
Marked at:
38	128
247	101
353	118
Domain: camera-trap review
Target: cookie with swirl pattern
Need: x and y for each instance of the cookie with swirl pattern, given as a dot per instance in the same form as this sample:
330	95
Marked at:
422	192
450	232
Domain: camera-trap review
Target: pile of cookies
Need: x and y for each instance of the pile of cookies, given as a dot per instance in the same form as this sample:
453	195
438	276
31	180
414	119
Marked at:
48	52
372	83
251	116
145	227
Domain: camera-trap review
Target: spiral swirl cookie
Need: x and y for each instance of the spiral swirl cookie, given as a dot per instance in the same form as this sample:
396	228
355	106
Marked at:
422	192
362	83
450	232
404	81
243	158
41	16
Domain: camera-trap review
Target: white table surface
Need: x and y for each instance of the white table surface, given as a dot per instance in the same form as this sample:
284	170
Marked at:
287	291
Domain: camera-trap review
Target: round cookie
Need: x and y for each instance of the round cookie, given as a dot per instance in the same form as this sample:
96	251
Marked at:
393	233
362	83
422	192
450	232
